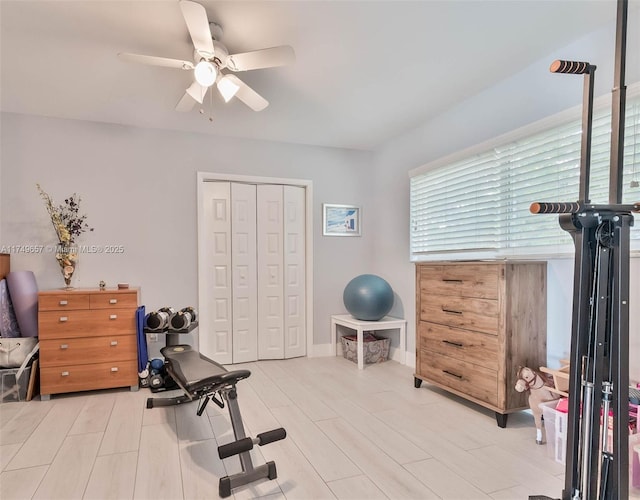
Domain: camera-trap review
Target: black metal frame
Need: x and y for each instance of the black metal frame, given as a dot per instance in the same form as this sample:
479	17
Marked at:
205	380
599	360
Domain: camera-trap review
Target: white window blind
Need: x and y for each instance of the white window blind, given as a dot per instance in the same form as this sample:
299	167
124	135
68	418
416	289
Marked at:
480	202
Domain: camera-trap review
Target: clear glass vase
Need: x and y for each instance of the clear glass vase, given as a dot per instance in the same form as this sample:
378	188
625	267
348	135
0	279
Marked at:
67	257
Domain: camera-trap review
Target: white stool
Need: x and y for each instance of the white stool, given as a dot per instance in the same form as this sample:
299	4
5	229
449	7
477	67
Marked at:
360	326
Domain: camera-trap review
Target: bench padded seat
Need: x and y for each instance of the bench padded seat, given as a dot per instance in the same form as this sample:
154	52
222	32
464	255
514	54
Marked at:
196	373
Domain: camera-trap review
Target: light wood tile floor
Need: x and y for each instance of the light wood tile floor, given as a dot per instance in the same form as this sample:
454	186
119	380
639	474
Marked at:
351	435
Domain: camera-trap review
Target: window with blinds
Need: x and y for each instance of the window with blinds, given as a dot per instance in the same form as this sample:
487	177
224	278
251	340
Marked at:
480	202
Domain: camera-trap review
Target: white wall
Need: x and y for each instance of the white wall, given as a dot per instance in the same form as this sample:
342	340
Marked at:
138	189
528	96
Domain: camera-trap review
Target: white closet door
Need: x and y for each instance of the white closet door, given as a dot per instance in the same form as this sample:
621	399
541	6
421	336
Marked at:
270	271
294	270
216	321
243	244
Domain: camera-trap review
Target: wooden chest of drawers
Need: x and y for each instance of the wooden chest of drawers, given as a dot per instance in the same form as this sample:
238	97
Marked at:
87	340
477	322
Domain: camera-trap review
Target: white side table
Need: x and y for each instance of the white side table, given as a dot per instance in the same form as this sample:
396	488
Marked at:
360	326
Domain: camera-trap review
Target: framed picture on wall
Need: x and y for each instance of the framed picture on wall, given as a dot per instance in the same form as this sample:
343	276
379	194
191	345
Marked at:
341	220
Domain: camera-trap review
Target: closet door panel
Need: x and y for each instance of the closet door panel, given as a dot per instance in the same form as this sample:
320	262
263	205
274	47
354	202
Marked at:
294	269
243	259
215	331
270	271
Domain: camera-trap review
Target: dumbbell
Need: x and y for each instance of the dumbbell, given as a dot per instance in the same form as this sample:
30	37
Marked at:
182	319
159	320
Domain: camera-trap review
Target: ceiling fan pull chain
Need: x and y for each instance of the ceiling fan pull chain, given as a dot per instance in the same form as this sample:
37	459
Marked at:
211	107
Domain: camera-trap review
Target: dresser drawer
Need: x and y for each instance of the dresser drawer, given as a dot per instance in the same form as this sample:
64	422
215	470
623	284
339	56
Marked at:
473	347
88	350
66	324
63	301
471	314
472	380
54	380
113	300
466	280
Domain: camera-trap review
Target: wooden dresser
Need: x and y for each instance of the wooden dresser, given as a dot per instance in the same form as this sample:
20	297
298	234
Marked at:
5	265
477	322
87	340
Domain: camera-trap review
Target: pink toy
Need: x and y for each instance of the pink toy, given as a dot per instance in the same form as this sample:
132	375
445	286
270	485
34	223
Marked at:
538	386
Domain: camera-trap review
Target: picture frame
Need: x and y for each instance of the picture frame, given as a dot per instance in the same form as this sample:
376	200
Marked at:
341	220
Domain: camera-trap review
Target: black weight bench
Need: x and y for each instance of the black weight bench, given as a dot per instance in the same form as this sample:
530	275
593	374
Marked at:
203	379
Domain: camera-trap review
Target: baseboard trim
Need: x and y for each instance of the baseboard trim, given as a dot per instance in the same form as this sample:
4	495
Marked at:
322	350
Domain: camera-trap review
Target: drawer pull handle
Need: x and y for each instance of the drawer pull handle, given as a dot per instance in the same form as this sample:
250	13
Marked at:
114	342
63	303
446	280
113	301
63	319
451	311
114	369
65	374
64	346
455	344
453	374
113	316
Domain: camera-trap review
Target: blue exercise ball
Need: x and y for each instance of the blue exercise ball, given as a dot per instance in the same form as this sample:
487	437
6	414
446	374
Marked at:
368	297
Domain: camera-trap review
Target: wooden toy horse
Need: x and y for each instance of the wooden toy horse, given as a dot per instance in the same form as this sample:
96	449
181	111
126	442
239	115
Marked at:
538	386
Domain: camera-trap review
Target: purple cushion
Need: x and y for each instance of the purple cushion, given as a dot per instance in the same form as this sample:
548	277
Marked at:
8	323
23	290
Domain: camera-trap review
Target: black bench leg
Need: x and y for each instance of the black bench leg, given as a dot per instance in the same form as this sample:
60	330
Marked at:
224	487
249	473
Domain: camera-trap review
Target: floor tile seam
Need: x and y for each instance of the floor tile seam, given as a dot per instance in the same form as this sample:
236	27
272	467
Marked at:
135	476
93	466
54	455
363	435
310	463
14	455
364	474
31	433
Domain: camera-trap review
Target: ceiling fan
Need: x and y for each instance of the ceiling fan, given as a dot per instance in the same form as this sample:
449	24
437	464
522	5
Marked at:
211	57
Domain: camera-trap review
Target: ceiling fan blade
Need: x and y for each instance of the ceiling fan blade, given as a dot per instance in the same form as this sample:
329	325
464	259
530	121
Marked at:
247	95
264	58
185	103
197	92
156	61
195	16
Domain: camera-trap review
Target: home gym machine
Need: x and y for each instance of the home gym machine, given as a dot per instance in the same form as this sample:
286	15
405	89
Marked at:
597	467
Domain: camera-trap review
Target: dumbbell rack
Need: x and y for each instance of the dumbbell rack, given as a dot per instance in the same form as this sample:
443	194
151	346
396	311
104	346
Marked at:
173	336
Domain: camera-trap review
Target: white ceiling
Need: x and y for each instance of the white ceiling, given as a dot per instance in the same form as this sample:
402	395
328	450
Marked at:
366	71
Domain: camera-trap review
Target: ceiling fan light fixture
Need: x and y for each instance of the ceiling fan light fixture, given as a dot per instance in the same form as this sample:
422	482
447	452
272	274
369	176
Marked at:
227	88
205	73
